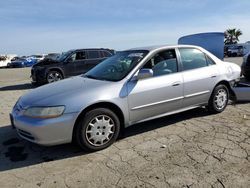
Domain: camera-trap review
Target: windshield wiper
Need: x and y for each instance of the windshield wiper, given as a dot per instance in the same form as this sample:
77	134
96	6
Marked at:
90	76
96	78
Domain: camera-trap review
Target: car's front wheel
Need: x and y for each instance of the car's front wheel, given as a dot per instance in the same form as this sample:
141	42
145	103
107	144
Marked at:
98	129
219	99
54	76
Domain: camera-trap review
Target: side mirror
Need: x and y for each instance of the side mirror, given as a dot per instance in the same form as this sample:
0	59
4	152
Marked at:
144	73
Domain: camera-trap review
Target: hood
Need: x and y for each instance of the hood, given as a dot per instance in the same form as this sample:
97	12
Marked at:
52	93
46	61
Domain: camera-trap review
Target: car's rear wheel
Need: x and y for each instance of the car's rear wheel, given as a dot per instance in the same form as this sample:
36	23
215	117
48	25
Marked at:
54	76
219	99
98	129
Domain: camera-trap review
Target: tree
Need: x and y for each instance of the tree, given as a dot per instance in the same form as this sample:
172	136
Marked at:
232	36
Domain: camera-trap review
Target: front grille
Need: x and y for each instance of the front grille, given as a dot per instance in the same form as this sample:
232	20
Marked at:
25	134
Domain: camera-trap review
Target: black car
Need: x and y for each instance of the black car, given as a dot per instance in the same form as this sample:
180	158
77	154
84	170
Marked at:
245	67
71	63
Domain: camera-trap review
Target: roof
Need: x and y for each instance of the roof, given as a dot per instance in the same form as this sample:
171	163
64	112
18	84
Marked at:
91	49
151	48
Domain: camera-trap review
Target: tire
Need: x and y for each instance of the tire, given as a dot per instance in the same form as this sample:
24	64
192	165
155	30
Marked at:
218	99
93	136
54	76
234	55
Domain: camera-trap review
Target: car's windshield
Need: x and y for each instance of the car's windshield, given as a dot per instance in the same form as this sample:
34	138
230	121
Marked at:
64	55
118	66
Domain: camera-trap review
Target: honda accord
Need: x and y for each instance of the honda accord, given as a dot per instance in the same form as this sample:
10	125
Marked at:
132	86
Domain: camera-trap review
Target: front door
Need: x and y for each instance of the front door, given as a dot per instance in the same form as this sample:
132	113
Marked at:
80	62
69	65
94	58
159	94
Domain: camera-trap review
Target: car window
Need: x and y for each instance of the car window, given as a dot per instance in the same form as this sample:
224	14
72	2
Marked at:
93	54
163	63
210	61
106	53
80	55
72	57
192	58
118	66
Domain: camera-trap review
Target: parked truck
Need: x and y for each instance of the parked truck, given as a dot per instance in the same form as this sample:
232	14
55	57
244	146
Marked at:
235	50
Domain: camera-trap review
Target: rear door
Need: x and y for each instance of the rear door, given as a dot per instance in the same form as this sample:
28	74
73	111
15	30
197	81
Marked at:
94	57
199	76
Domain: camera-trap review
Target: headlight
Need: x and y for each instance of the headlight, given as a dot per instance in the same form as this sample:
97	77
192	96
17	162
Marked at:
44	112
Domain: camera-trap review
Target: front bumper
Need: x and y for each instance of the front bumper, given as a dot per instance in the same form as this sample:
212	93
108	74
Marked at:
47	132
38	75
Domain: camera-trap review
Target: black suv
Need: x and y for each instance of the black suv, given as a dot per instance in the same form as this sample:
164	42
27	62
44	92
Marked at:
71	63
245	67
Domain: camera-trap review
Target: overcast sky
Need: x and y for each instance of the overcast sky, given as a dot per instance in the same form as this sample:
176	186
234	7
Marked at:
42	26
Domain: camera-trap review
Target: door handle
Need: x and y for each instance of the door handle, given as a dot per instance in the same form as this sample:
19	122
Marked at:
213	76
176	84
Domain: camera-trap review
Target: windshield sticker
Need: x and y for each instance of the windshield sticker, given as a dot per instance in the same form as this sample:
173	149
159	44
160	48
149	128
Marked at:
136	55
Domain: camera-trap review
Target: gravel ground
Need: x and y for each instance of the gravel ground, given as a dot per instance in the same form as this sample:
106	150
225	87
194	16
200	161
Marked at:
190	149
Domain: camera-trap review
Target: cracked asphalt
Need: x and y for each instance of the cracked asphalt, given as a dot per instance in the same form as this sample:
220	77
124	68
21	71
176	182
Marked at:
190	149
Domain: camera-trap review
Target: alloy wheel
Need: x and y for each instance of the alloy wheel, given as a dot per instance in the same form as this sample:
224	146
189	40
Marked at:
54	76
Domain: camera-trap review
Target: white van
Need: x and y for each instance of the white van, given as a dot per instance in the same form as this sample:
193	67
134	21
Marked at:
6	59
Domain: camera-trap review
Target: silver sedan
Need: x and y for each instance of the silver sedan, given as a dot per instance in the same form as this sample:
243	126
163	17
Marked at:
133	86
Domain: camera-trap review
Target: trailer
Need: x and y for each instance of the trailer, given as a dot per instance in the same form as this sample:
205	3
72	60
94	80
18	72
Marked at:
211	41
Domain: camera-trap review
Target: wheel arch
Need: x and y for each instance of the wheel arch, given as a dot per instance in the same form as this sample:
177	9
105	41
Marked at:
108	105
55	69
232	95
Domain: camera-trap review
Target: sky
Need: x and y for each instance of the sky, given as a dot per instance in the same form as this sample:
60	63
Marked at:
43	26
